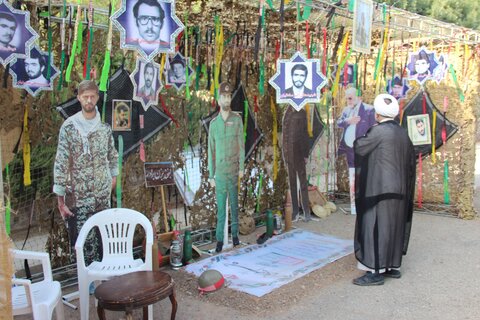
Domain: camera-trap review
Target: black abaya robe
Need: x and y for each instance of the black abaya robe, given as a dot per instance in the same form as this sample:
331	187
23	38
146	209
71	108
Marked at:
384	190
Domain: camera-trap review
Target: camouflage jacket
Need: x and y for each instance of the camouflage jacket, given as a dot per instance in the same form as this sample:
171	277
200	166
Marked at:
85	163
226	145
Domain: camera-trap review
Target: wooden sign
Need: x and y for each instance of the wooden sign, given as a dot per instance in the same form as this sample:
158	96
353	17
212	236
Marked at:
158	174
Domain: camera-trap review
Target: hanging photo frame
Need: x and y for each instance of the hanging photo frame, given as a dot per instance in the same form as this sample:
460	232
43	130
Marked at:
148	26
419	129
176	74
298	81
422	65
146	82
16	34
32	72
362	26
121	115
398	87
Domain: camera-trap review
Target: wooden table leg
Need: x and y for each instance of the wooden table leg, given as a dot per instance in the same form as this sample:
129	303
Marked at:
174	305
100	313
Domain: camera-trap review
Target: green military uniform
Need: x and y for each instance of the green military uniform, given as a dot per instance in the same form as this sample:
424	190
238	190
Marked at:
85	163
226	156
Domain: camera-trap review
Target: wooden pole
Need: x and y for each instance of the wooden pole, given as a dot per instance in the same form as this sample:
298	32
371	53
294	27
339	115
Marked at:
164	208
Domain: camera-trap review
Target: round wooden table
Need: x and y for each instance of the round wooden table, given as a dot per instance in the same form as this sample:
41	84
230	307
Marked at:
135	290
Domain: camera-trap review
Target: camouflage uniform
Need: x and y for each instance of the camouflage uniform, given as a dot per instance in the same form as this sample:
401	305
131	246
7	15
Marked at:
85	163
226	155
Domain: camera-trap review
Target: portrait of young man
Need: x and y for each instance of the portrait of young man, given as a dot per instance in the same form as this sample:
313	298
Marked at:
149	17
8	27
121	115
35	66
419	129
299	74
177	71
147	82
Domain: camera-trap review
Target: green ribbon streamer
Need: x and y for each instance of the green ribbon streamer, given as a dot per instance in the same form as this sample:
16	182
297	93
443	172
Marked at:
454	76
197	76
355	71
446	195
261	80
351	5
307	10
89	52
377	64
245	119
104	105
384	12
62	65
79	38
105	72
119	177
270	4
259	192
342	64
187	78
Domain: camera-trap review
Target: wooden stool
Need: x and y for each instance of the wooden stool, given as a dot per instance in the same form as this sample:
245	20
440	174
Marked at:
135	290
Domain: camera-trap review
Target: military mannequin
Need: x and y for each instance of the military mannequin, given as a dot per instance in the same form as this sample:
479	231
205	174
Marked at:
226	154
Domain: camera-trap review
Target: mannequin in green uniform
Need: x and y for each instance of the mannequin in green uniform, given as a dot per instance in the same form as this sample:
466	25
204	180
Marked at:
226	154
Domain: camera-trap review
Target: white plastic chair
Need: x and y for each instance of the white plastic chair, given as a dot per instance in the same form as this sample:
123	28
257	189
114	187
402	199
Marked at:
39	298
117	227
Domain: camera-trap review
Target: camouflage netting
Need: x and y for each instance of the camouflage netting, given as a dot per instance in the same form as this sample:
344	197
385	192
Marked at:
240	58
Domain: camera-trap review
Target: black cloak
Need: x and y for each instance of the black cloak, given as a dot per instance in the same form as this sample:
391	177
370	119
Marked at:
384	191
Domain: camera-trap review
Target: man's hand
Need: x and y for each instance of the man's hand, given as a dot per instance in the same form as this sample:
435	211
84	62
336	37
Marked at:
240	174
114	183
353	120
62	207
212	182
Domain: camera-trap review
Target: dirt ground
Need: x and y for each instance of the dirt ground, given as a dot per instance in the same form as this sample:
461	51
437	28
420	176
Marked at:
438	282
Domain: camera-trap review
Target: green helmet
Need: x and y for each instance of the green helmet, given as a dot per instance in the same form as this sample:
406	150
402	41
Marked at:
210	280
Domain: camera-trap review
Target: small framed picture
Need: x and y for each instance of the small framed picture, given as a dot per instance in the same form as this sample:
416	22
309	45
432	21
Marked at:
419	129
362	26
121	115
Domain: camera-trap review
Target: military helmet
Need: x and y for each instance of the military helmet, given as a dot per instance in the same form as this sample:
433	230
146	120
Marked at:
210	280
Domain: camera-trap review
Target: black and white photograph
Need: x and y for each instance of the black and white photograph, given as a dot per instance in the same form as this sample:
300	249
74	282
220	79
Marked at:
146	82
298	81
362	26
16	34
149	26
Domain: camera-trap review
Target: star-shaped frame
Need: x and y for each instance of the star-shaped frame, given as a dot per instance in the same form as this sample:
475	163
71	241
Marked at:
146	82
176	75
298	81
16	34
399	88
146	34
31	73
421	65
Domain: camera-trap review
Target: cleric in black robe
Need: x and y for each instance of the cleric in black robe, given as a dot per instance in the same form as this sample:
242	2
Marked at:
385	184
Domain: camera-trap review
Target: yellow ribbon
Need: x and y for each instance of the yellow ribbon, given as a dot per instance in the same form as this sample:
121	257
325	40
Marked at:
218	58
273	109
382	55
342	54
26	150
434	126
162	64
309	120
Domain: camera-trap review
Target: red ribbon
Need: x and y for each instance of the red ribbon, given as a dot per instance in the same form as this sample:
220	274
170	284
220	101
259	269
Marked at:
324	58
424	103
277	50
168	112
255	104
419	180
85	56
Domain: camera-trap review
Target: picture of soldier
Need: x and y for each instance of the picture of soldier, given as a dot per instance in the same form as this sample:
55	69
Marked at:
419	129
35	70
121	120
399	88
147	81
146	32
8	27
176	73
296	82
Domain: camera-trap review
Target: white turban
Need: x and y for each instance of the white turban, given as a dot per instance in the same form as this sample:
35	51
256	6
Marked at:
385	108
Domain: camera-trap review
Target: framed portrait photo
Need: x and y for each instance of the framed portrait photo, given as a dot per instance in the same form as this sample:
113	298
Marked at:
146	82
362	26
16	34
422	65
148	26
176	73
419	129
121	115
